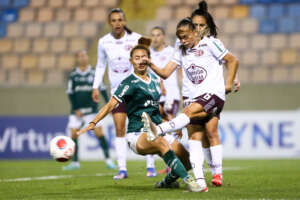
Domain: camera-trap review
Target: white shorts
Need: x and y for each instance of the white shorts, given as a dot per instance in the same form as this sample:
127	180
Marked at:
132	139
80	122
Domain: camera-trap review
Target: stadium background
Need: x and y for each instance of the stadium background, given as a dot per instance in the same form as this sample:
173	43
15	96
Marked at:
38	39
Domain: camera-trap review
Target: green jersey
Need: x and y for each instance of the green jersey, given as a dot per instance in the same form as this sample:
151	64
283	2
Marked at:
80	86
139	96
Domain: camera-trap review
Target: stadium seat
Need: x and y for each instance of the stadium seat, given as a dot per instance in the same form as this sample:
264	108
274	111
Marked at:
164	13
276	11
81	14
280	74
249	58
295	74
294	10
278	41
244	74
16	77
173	2
9	15
170	27
288	56
20	3
248	1
45	15
10	61
294	41
89	29
66	62
28	61
33	30
58	45
63	15
47	61
77	44
259	41
37	4
2	30
71	29
91	3
40	45
6	45
35	77
4	4
239	11
258	11
265	1
73	3
249	26
229	2
287	25
109	3
182	12
267	26
52	29
27	15
269	57
221	12
3	77
231	26
240	42
56	3
21	45
99	14
54	78
261	74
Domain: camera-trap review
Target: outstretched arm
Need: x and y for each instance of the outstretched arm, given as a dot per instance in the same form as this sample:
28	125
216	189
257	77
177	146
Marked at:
165	72
101	114
232	65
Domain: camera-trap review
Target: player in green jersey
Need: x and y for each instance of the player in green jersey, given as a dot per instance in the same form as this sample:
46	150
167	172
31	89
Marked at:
140	92
83	108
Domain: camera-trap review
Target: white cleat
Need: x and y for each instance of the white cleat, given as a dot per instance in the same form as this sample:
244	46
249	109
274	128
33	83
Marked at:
193	186
149	127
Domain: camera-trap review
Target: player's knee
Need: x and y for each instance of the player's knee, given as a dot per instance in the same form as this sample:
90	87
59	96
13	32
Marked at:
162	145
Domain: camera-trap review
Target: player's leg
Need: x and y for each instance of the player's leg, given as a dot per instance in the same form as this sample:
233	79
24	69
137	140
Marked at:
206	152
103	143
120	143
150	166
215	150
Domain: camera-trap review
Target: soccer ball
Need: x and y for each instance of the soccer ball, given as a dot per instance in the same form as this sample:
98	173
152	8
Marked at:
62	148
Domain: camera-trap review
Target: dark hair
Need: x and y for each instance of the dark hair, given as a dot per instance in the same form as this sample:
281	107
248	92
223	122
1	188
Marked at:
119	10
202	11
159	28
143	43
184	22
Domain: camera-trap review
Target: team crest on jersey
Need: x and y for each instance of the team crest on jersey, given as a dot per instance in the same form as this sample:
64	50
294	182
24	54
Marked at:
197	52
128	47
196	74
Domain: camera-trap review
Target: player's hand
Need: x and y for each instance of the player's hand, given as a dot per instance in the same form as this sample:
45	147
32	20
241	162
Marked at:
78	113
228	88
95	95
179	134
168	105
237	85
146	61
91	126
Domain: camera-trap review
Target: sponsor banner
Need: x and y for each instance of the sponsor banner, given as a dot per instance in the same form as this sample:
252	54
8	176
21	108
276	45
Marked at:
243	135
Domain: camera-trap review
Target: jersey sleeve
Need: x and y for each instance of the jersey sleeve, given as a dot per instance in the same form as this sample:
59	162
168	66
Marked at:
123	92
217	48
176	58
100	67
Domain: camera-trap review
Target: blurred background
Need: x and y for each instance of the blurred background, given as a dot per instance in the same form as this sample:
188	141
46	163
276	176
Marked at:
39	38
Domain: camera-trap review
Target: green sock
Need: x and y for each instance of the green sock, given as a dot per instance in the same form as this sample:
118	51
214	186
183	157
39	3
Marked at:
104	146
175	164
170	178
75	156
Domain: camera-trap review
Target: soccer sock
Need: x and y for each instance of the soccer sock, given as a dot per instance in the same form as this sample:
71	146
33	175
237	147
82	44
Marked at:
150	161
175	124
104	146
175	164
75	156
196	159
216	156
207	156
170	178
121	150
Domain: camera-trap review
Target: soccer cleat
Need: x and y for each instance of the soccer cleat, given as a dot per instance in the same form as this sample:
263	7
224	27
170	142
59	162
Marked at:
121	175
172	185
151	172
72	166
110	164
193	185
217	180
150	127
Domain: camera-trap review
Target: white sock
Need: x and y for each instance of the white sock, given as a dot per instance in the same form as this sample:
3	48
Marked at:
216	157
121	150
207	156
197	160
150	161
173	125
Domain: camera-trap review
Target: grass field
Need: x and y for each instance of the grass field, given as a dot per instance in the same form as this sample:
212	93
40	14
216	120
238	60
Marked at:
243	179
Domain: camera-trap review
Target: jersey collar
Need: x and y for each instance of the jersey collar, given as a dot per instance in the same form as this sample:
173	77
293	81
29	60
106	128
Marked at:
85	72
147	82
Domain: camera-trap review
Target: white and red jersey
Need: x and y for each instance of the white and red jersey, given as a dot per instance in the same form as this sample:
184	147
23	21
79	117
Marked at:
203	68
161	59
115	53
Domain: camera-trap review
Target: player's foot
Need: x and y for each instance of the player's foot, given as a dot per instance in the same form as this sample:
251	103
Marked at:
164	171
217	180
193	186
110	164
151	172
150	127
162	184
121	175
72	166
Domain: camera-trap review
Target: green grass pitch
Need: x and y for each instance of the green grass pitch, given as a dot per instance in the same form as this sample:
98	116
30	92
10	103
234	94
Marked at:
243	179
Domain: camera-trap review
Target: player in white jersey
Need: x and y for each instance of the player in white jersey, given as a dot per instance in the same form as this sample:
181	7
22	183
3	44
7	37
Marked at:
113	50
201	59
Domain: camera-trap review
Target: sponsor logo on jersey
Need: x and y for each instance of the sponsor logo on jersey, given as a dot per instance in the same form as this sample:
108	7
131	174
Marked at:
119	42
83	88
196	74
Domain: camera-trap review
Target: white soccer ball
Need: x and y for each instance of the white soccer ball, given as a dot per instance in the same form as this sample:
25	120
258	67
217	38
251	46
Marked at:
62	148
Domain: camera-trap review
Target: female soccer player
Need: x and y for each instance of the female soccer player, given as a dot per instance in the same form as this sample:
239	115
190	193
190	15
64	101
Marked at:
113	50
83	108
201	59
140	92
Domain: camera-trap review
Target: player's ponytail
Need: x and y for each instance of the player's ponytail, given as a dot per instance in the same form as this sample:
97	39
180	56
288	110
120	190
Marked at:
143	43
119	10
202	6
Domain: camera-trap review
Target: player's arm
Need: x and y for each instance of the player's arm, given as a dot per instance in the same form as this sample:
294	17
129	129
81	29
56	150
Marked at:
165	72
101	114
100	70
232	65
